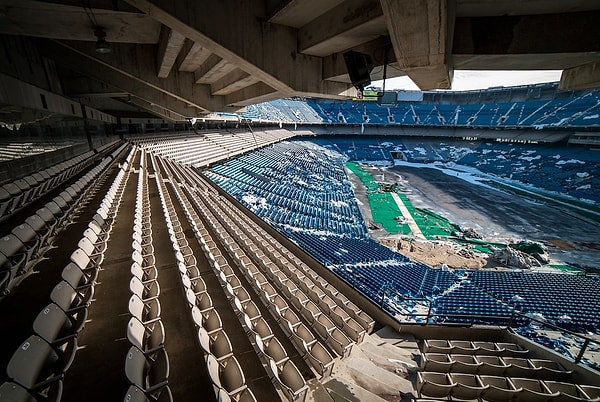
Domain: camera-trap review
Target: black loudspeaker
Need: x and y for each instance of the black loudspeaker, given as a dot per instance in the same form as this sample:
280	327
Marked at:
359	66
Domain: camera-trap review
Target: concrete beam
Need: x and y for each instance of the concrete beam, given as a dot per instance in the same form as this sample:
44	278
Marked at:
213	68
169	46
267	51
57	21
482	8
103	72
192	56
421	33
581	77
156	110
351	23
297	13
259	92
531	34
137	62
526	61
232	82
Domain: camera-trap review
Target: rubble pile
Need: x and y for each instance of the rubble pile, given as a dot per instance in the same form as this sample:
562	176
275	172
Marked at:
512	257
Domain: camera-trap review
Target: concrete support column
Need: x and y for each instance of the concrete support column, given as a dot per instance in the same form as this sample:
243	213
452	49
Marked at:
421	33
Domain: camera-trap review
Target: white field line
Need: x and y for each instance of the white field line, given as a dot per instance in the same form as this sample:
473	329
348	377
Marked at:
414	228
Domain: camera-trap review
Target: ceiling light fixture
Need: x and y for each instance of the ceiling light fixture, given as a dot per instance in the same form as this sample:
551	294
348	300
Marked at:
102	46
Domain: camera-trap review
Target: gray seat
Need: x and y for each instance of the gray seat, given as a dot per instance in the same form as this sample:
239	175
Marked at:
567	392
13	392
148	338
148	374
70	300
290	380
55	326
498	389
435	385
36	364
468	386
134	394
533	390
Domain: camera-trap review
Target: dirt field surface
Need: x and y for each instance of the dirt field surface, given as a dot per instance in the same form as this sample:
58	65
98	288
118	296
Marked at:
497	216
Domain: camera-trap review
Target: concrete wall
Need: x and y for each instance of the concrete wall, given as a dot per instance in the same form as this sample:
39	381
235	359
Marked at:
471	133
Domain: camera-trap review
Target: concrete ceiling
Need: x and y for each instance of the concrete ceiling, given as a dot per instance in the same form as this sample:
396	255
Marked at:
186	58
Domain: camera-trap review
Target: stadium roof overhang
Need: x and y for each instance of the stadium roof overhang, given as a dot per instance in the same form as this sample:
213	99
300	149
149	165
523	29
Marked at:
183	59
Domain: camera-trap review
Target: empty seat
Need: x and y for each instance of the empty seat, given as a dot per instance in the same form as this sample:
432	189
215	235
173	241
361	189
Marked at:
13	392
147	313
54	326
135	394
437	346
468	386
148	374
43	231
465	364
491	365
487	348
498	389
592	391
532	390
69	300
567	392
30	240
512	349
148	338
15	252
209	320
463	347
339	342
217	343
435	385
289	380
438	362
78	279
550	369
36	363
519	367
146	291
319	358
227	374
272	349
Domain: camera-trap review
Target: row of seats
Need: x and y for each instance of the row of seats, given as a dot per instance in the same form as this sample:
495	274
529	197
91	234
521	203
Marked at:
24	245
474	348
494	365
21	192
286	260
493	388
282	278
147	362
226	374
37	368
204	149
283	372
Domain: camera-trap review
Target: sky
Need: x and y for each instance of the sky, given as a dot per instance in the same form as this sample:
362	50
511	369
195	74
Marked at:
465	80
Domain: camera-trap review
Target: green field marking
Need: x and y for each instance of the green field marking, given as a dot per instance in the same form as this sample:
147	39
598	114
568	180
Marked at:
433	226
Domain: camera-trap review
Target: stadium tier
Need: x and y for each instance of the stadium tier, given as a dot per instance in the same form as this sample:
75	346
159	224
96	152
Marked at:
507	109
142	269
